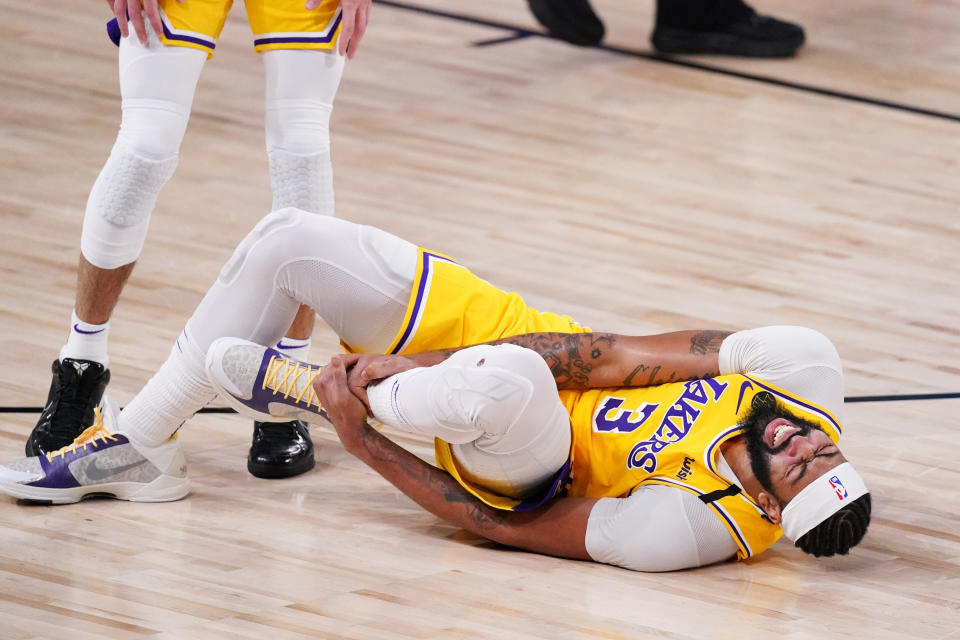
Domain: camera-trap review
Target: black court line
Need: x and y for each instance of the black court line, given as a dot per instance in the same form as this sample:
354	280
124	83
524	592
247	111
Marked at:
520	32
851	399
516	35
908	396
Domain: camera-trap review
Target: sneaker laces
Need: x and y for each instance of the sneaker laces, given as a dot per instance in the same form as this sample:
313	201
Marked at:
283	377
90	435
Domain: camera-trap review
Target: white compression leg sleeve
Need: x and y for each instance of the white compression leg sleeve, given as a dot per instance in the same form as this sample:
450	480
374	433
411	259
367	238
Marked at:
357	278
300	88
157	84
499	408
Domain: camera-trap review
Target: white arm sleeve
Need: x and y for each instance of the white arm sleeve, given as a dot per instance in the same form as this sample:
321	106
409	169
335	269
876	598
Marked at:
657	528
800	360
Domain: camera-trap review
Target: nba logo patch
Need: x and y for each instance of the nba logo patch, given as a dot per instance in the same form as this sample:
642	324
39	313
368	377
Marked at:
837	486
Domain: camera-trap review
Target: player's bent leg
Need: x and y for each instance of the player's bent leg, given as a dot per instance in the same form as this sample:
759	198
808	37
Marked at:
101	462
357	278
498	407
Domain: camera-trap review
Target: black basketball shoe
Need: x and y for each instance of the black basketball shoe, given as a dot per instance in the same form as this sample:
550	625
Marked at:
75	390
722	27
280	449
572	21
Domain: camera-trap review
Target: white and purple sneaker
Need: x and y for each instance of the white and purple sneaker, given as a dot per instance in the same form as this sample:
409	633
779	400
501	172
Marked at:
264	383
100	462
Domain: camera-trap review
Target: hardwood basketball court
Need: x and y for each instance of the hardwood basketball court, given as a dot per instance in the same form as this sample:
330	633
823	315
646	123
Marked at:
638	195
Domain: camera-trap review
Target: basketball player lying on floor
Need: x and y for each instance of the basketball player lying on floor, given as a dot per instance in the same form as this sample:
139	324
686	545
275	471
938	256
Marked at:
558	441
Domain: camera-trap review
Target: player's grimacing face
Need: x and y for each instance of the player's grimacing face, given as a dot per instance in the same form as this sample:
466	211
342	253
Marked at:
786	451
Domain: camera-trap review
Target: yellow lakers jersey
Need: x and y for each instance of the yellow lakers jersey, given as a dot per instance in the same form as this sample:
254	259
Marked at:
622	438
671	435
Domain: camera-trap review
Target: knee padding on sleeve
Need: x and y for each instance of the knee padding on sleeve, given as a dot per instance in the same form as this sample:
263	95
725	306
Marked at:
302	181
119	207
497	397
498	408
300	89
298	149
526	435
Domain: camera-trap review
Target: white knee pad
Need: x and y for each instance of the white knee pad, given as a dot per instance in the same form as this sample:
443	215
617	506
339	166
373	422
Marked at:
302	181
498	406
157	84
523	457
300	88
119	207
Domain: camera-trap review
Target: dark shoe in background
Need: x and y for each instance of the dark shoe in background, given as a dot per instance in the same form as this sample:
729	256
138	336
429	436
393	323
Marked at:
572	21
280	449
722	27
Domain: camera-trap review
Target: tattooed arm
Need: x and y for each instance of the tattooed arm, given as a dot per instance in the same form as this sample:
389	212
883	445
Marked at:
558	528
586	360
595	360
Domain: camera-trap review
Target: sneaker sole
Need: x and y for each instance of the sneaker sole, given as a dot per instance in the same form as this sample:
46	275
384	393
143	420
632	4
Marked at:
163	489
272	471
679	41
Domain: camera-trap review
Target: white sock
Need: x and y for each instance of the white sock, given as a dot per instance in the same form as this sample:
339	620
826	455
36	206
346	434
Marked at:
177	391
294	348
86	341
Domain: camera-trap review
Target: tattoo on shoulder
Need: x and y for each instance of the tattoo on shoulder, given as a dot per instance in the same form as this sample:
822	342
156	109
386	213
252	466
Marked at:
706	342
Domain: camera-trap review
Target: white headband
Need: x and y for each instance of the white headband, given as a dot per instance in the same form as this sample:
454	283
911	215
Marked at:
821	499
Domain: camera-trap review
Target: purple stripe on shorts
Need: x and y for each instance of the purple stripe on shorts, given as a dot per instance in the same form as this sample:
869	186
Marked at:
424	276
301	39
113	32
556	486
169	35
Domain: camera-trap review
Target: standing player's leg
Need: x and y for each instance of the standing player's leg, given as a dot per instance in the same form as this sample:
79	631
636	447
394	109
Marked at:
157	84
300	89
357	278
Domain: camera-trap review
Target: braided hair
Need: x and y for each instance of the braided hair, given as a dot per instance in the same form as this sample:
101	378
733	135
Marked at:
841	531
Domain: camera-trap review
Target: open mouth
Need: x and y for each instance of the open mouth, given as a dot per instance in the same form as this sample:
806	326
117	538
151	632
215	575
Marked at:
778	431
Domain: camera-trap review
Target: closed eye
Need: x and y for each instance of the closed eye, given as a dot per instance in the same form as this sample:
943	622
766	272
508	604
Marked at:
822	452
